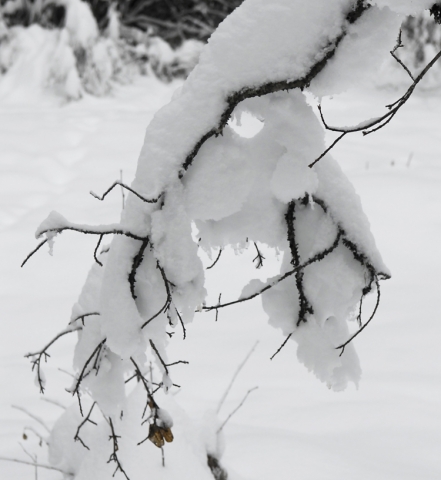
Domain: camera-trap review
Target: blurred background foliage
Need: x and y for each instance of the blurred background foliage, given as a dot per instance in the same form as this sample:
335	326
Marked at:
173	20
162	37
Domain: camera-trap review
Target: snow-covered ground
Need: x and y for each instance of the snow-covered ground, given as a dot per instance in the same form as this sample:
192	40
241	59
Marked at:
291	426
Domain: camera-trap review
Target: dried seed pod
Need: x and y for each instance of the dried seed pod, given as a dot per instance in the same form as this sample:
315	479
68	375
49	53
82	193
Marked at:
155	435
167	434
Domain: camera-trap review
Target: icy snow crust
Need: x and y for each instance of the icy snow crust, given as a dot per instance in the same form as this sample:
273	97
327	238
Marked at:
236	191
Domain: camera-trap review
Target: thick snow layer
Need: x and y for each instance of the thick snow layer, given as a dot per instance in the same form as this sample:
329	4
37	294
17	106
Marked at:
407	7
360	54
260	42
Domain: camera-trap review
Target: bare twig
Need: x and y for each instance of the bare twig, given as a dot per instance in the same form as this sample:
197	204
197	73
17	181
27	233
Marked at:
93	231
182	323
53	402
36	362
168	300
259	257
32	457
95	253
283	344
114	456
82	317
89	230
34	417
122	190
319	256
177	363
150	400
123	185
343	345
83	372
159	356
217	259
39	465
236	409
333	144
236	373
80	426
378	122
36	433
34	251
397	46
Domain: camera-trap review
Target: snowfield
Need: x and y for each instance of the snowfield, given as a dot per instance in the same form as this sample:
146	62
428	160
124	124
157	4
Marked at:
292	426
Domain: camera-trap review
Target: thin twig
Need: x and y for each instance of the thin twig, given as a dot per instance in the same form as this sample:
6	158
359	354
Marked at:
123	185
236	373
159	356
39	465
343	345
319	256
96	251
93	231
236	409
53	402
96	352
379	122
397	46
36	362
122	190
82	317
33	251
217	259
32	457
283	344
259	257
333	144
34	417
114	456
80	426
40	437
182	323
167	301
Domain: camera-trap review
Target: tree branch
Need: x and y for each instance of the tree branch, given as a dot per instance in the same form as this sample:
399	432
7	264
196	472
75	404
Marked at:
34	464
83	373
36	362
217	259
250	92
343	345
168	300
236	373
33	251
80	426
377	123
123	185
397	46
259	258
114	456
236	409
